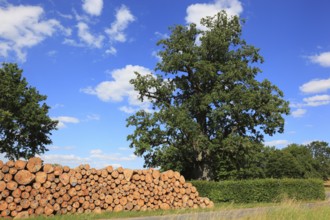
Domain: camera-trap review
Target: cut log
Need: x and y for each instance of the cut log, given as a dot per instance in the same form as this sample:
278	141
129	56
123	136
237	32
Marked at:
41	177
155	174
34	164
16	193
108	199
65	178
34	204
10	163
118	208
25	195
51	177
25	203
109	169
5	213
66	169
24	177
3	205
48	168
58	170
115	174
3	186
21	215
12	185
5	169
49	209
20	164
36	185
13	170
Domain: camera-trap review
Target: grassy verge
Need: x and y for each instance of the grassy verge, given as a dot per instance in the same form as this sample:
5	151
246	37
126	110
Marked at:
219	207
110	215
291	211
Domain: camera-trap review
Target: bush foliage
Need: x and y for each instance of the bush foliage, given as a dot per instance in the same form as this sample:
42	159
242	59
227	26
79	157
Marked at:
261	190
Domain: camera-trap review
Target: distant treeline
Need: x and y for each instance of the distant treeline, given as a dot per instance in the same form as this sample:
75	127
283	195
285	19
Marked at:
294	161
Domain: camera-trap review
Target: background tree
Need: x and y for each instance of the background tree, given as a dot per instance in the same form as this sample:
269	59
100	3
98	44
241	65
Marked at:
320	152
24	122
282	164
209	106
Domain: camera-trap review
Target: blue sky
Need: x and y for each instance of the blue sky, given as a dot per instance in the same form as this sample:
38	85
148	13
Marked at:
82	53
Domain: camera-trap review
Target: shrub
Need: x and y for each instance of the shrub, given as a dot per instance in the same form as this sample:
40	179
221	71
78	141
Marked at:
261	190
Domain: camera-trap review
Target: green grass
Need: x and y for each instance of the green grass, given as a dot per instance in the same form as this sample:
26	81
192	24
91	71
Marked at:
285	210
127	214
292	211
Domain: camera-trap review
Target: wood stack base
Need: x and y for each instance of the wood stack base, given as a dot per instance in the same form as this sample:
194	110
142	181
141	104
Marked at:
32	188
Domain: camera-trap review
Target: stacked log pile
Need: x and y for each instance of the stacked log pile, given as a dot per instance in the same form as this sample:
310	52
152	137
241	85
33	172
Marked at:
30	188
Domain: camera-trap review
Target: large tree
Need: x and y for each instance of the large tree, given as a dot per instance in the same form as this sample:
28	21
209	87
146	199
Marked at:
209	108
24	122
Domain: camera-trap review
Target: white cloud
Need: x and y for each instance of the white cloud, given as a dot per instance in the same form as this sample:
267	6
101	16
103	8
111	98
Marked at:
322	59
120	87
277	143
93	7
63	120
100	155
298	113
23	27
64	159
317	100
123	18
316	86
196	12
86	37
97	159
128	109
111	50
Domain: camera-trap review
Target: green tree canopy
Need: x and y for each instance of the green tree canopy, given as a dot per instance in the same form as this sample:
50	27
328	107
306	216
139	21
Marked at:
24	122
209	107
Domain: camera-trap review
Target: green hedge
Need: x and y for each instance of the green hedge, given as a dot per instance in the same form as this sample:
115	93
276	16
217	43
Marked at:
261	190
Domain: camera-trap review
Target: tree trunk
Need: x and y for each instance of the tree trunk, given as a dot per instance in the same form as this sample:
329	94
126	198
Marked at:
200	171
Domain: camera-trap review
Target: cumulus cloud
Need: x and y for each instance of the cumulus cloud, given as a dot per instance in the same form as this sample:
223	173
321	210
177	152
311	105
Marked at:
120	87
93	7
100	155
299	113
63	120
128	109
322	59
316	86
97	158
196	12
317	100
123	18
85	36
277	143
64	159
23	27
